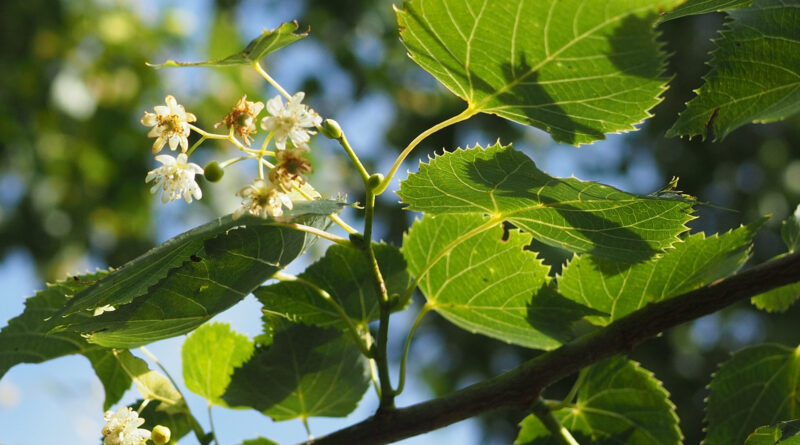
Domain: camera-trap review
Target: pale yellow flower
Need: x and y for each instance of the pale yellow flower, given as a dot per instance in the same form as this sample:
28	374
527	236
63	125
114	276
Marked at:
291	166
175	178
170	124
122	428
290	121
262	198
243	118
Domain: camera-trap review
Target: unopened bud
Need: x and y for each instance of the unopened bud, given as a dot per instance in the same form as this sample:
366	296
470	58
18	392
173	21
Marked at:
331	129
374	180
160	435
213	172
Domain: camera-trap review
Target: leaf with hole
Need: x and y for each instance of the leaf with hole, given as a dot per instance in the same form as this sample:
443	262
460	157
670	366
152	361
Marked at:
578	216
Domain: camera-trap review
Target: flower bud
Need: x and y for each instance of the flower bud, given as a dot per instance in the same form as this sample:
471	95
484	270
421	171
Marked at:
331	129
160	435
374	180
213	172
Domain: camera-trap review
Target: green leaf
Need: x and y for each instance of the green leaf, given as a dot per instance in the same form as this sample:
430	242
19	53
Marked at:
784	433
307	371
779	299
618	403
755	73
111	374
697	7
345	274
575	68
134	278
790	231
228	268
259	441
25	339
568	213
482	283
152	385
756	387
268	42
210	355
158	413
618	289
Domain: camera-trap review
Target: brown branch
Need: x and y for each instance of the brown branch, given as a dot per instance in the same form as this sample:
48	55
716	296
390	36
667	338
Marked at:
520	387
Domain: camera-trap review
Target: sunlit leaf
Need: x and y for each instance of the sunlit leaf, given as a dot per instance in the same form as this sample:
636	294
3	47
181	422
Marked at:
268	42
755	72
564	212
757	386
577	69
790	231
619	289
209	357
111	374
696	7
618	403
306	371
783	433
346	275
152	385
484	283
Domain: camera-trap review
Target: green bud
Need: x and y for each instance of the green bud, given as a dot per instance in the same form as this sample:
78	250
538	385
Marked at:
374	180
330	128
213	172
160	435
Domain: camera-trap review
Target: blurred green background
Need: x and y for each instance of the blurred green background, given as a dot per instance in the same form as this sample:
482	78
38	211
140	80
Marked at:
73	155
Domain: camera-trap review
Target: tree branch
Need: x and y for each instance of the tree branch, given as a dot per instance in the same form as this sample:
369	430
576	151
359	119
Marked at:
520	387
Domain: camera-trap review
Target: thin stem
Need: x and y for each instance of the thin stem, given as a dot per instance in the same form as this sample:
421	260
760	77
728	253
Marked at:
232	161
464	115
283	276
222	137
335	218
271	81
402	380
576	386
196	427
543	413
308	429
320	233
353	157
195	145
211	423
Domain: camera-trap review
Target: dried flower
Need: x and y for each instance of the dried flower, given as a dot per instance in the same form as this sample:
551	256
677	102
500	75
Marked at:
290	121
243	118
290	168
175	178
170	124
122	428
262	198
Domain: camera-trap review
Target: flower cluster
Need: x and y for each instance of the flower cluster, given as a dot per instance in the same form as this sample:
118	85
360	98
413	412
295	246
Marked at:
122	428
290	125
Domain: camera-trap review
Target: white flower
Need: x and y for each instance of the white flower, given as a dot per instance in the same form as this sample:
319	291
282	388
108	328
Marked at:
262	198
122	428
170	124
290	121
175	178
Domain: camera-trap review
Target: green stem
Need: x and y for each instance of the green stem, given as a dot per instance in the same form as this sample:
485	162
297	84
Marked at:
402	379
195	145
283	276
196	427
353	157
320	233
576	386
211	423
308	429
464	115
270	80
543	413
380	355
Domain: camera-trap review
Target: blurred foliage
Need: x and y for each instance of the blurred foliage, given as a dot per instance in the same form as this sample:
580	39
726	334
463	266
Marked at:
73	154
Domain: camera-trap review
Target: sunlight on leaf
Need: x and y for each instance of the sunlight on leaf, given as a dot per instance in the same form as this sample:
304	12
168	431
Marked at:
152	385
577	69
696	7
563	212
